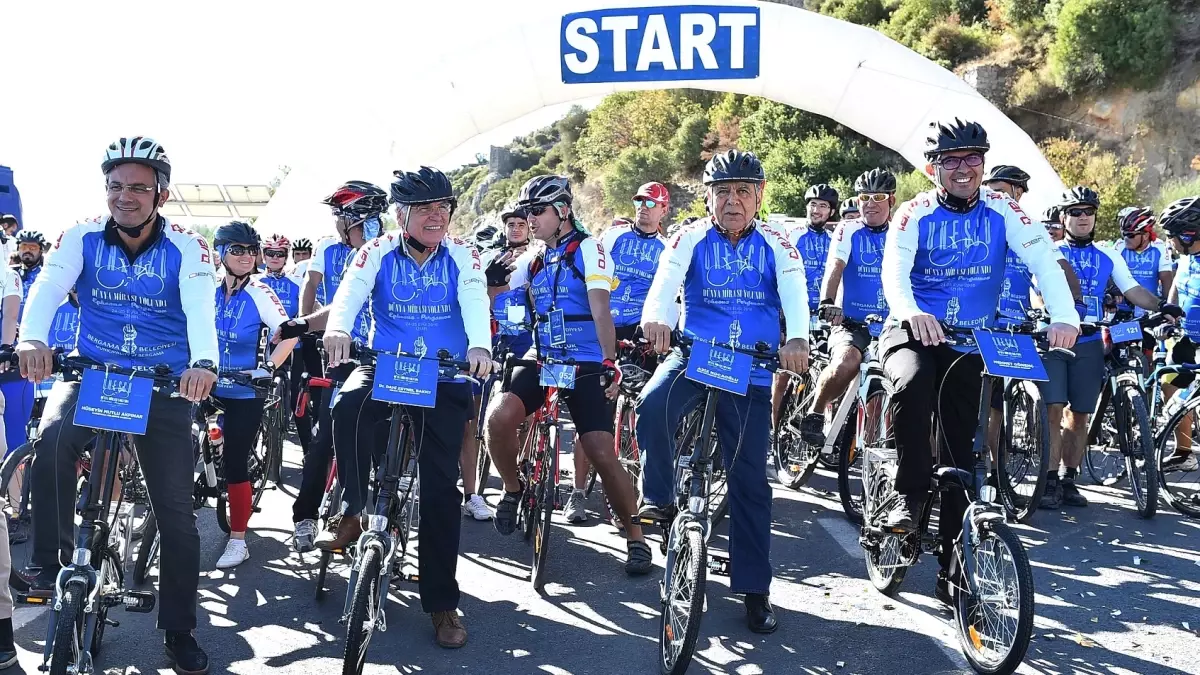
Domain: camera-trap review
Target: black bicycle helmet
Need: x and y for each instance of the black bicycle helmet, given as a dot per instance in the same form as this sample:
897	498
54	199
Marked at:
302	244
235	232
1008	174
734	165
32	237
1080	194
1136	220
1051	215
547	189
954	135
824	192
425	186
513	211
485	235
875	181
8	219
1181	217
357	198
849	208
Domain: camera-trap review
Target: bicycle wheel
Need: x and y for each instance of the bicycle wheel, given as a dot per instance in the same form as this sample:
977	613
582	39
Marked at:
109	577
627	449
1103	460
1023	458
364	612
543	513
15	489
887	555
995	623
68	628
1180	483
682	603
850	479
147	550
1137	445
795	460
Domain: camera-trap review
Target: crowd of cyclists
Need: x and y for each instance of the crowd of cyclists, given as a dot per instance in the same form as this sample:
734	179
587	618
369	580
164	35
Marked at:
134	290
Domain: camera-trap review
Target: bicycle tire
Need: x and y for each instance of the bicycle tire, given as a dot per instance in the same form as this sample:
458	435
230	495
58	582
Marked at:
101	608
543	515
360	626
1187	504
969	637
627	452
795	460
483	468
1101	447
690	559
1026	397
68	628
850	472
874	432
1143	484
525	508
223	512
591	479
147	549
20	458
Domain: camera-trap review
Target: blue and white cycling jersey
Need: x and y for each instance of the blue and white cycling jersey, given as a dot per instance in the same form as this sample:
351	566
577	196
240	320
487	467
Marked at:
563	283
861	290
28	276
241	318
1096	266
286	289
1188	283
331	259
64	333
813	246
514	298
155	309
952	265
418	308
1145	266
732	294
634	255
10	287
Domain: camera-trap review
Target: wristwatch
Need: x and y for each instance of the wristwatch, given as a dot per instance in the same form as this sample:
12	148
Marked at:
205	364
270	366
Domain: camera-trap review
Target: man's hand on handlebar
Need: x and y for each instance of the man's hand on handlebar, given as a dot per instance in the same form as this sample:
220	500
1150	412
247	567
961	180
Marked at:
1061	335
793	356
481	362
36	360
925	327
337	347
830	312
658	334
196	384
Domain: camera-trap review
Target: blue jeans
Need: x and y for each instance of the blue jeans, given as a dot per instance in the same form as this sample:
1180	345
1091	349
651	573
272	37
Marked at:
745	418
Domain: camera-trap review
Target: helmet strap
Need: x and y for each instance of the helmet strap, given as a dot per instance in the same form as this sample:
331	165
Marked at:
1079	242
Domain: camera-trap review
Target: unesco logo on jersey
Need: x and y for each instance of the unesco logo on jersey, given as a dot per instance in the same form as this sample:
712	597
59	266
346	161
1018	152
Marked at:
687	42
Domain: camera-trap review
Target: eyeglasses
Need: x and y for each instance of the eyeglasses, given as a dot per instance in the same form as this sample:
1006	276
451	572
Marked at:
238	249
648	203
427	209
136	188
874	197
1084	211
275	254
953	163
537	210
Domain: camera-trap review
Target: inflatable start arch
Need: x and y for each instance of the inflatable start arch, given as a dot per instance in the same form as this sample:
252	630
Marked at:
534	54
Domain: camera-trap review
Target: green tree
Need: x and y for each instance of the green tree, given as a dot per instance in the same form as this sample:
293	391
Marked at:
913	19
630	119
634	167
1103	42
1115	180
686	144
773	123
862	12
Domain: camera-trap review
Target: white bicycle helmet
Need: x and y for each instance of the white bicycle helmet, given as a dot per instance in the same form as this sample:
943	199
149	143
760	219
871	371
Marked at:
138	150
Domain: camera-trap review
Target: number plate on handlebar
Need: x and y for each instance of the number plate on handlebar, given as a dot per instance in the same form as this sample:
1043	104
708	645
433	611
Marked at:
114	402
1010	355
559	375
1125	332
405	381
718	367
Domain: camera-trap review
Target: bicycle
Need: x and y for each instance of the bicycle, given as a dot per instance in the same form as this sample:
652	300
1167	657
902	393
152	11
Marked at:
1182	495
985	544
384	547
83	593
331	498
630	356
795	459
686	531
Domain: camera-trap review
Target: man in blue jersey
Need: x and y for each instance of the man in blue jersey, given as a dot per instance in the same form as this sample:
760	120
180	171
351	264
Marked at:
1077	380
145	288
427	293
944	262
1148	259
275	250
852	288
1181	222
357	207
740	277
31	247
569	283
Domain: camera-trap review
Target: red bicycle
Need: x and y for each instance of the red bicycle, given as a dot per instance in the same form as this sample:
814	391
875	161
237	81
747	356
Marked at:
632	357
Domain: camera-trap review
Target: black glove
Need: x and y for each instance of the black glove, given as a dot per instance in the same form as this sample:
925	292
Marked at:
293	329
1167	308
497	273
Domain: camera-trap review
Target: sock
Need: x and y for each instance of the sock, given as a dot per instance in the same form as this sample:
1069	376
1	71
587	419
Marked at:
240	496
6	635
1070	474
467	497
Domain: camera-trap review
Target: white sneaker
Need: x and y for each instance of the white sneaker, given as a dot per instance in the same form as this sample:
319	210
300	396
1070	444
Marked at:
236	553
1180	463
575	511
305	534
477	508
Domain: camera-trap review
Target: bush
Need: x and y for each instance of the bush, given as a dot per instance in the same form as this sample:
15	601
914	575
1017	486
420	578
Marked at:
911	184
1032	87
952	44
1115	180
631	119
687	143
633	168
861	12
913	19
1018	12
1104	42
1176	189
821	158
775	122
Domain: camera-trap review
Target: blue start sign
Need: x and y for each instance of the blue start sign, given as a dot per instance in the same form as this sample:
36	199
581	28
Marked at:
686	42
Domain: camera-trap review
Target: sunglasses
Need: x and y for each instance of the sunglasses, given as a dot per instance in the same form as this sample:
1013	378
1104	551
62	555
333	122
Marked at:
537	210
274	254
238	249
648	203
952	163
874	197
1085	211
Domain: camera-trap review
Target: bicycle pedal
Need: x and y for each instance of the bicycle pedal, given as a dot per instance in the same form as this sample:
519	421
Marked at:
411	578
650	522
140	602
26	599
112	622
718	564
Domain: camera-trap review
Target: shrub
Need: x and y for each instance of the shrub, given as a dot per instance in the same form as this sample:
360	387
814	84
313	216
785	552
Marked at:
862	12
775	122
913	19
911	184
1115	180
687	143
1103	42
631	169
1016	12
1176	189
1032	87
952	44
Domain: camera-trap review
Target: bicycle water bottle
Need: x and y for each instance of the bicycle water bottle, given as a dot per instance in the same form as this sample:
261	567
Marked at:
216	440
1178	399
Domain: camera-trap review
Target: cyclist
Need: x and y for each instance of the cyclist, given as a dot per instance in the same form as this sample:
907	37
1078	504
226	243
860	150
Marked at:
572	276
275	254
852	288
8	235
31	246
301	255
1077	380
944	261
157	311
15	409
1181	221
417	317
1054	226
1148	259
849	209
745	310
357	207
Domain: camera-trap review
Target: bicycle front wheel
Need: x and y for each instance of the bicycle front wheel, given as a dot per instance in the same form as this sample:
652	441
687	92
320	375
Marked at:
996	621
1180	481
1023	459
682	603
1137	444
795	460
547	494
1103	459
364	612
15	490
68	629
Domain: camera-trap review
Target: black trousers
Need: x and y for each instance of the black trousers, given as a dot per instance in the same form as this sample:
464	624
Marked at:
166	455
319	452
438	432
305	359
924	377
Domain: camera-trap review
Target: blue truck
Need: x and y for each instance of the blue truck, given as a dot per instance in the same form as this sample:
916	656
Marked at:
10	199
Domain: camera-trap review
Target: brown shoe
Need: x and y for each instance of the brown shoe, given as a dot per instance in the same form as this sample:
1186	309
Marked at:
448	629
348	531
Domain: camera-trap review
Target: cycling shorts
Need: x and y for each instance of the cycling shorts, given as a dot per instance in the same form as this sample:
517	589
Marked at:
1077	380
840	336
590	409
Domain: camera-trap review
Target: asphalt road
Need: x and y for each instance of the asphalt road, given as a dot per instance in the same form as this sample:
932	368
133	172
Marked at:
1098	610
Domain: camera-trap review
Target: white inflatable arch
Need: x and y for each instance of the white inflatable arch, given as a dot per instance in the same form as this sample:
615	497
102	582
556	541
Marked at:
509	59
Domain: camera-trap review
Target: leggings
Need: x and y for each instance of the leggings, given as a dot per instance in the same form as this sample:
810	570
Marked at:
242	418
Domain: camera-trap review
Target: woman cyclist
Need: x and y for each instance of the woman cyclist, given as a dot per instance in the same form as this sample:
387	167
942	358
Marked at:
244	306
